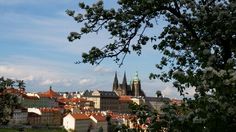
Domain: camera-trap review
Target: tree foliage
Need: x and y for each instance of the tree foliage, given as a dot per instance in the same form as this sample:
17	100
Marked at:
7	101
198	47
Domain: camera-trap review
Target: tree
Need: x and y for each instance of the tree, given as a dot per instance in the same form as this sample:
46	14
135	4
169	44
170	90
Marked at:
159	94
198	47
21	83
7	101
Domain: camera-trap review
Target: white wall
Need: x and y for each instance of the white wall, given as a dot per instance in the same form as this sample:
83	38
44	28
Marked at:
69	122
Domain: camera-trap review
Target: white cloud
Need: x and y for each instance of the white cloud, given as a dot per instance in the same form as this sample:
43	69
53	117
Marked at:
170	92
173	93
8	70
85	81
28	78
101	69
48	82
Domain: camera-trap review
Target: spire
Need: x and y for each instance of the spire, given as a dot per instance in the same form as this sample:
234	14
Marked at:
124	80
115	82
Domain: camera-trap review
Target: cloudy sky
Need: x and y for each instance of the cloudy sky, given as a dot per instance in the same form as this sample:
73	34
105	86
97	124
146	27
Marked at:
34	48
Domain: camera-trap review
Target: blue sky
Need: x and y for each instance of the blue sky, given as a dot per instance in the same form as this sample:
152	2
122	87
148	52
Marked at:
34	48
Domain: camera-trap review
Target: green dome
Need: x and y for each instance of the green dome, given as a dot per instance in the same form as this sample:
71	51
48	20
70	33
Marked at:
136	77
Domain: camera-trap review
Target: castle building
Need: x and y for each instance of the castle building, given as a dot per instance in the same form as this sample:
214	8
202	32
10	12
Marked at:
134	89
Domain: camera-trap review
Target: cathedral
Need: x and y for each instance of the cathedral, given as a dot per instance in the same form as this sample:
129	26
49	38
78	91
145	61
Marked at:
123	89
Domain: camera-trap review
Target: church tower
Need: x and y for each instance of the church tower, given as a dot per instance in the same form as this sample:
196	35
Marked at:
124	85
136	85
115	83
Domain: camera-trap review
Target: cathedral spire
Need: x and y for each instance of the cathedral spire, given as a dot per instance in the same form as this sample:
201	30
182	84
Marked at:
115	82
124	80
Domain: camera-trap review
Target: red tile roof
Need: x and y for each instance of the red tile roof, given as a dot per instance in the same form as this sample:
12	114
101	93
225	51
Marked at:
78	100
50	94
79	116
99	117
63	100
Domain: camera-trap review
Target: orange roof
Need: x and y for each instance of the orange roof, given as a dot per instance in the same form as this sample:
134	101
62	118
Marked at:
121	116
99	117
125	99
50	94
78	100
68	106
63	100
79	116
114	116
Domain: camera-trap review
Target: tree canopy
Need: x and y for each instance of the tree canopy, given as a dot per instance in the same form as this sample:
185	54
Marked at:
197	45
7	101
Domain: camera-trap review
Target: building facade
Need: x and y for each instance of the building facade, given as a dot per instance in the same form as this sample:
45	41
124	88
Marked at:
103	100
19	116
46	116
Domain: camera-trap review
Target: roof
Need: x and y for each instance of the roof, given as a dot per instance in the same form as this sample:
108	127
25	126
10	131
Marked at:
125	99
75	100
87	93
98	93
108	94
50	94
79	116
63	100
99	117
68	107
78	100
49	110
163	99
31	97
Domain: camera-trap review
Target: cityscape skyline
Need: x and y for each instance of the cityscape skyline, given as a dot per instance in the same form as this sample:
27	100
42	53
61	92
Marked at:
34	48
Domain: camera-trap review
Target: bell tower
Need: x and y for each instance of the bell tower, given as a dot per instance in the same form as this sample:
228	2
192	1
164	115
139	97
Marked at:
136	85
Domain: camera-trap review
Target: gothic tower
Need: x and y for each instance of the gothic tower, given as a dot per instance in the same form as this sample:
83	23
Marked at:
124	85
115	83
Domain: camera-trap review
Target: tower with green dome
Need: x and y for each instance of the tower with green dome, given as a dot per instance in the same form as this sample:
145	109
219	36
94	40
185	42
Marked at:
134	89
136	85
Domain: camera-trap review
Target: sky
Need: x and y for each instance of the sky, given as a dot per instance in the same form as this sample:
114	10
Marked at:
34	48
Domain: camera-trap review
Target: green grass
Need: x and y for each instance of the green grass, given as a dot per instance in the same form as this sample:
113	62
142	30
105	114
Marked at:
31	130
8	130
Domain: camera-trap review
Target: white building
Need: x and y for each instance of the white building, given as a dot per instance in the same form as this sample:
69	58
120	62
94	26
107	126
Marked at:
77	122
99	122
